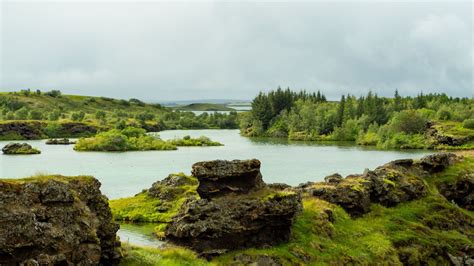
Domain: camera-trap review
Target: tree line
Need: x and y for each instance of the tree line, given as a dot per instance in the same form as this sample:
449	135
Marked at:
368	119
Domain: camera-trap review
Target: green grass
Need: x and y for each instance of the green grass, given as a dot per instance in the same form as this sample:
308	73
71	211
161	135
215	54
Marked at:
454	129
145	208
144	256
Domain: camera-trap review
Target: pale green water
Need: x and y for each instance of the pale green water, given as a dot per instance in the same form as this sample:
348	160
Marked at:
124	174
127	173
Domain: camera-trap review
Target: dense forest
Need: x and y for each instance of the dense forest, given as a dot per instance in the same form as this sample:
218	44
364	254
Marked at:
103	111
424	121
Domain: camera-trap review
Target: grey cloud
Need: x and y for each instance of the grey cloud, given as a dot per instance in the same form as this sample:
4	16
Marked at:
167	51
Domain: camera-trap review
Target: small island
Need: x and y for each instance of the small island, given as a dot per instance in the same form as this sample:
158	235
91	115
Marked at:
63	141
128	139
201	141
19	148
136	139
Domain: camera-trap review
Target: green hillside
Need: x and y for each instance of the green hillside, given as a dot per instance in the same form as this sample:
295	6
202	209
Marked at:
105	112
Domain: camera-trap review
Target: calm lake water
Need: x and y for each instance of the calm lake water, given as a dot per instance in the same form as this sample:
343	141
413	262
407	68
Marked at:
124	174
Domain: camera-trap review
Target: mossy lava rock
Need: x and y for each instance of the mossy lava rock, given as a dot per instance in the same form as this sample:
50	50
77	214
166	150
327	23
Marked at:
55	220
244	213
19	148
220	177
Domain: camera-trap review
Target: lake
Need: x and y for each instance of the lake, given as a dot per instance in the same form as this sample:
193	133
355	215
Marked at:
124	174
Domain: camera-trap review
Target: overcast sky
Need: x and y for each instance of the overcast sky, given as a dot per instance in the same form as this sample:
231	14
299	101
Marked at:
232	50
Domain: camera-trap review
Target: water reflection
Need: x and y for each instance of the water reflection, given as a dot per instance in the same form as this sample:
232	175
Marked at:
140	234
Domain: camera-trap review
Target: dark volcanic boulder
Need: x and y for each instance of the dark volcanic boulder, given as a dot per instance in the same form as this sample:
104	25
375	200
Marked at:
56	221
236	211
437	162
19	148
215	226
221	177
460	191
352	194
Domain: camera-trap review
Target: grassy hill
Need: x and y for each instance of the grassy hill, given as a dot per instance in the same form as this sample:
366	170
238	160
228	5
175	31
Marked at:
27	106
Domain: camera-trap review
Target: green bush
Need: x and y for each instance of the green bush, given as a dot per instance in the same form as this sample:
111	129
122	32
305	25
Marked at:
468	123
408	121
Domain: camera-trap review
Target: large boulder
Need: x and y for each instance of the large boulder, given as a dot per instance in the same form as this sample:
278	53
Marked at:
19	148
220	177
236	210
213	227
352	194
56	220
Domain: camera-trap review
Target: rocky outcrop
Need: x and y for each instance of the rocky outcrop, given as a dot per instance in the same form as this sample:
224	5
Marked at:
237	210
56	220
460	191
440	138
19	148
63	141
77	129
29	130
222	177
389	185
21	130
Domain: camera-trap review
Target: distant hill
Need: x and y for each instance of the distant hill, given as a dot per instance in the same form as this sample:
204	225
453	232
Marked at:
204	107
212	101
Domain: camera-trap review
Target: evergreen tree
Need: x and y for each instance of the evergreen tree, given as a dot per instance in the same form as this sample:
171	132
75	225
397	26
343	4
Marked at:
340	111
262	110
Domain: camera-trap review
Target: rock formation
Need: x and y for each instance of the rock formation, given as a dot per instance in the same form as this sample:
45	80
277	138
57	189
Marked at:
15	130
56	220
221	177
19	148
236	211
389	184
